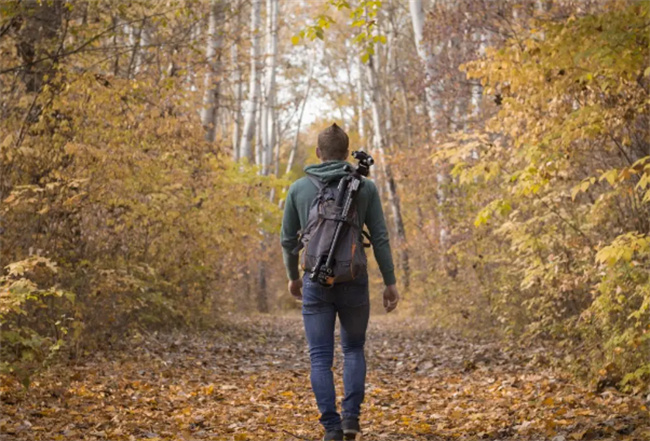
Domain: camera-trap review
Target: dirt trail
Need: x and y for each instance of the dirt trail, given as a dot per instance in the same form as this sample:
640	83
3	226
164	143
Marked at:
251	382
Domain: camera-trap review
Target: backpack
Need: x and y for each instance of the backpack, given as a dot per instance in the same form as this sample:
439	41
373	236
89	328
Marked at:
316	238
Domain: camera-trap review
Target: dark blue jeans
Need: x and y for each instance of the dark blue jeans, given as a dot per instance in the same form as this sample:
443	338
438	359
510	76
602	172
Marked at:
350	300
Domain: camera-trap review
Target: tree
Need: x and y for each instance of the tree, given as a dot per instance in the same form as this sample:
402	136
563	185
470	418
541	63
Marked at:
252	104
211	82
379	144
303	104
432	105
268	107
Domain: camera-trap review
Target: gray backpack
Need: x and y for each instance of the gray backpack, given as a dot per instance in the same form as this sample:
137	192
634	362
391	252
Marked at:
349	255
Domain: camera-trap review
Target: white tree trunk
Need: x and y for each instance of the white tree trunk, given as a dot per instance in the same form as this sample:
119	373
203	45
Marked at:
210	81
239	94
238	88
427	58
294	148
254	89
134	43
189	79
258	132
360	102
477	89
268	108
278	142
379	145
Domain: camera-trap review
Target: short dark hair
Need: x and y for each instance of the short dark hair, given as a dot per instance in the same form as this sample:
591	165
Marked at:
333	143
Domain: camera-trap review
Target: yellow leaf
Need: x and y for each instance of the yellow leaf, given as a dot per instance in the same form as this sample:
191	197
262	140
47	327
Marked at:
7	141
578	435
10	198
70	148
610	176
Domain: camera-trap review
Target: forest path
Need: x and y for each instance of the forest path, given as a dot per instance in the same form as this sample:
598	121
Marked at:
251	381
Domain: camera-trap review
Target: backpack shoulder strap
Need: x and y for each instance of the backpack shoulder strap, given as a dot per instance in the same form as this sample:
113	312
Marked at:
317	182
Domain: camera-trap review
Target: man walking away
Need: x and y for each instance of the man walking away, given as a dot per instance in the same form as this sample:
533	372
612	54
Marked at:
350	300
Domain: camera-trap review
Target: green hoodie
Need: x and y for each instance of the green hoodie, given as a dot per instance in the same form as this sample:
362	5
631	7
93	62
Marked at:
299	199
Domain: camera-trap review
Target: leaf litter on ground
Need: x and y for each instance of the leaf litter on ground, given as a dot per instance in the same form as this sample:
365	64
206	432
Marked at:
249	380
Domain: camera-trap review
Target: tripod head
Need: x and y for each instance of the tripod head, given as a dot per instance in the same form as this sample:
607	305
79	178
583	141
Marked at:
365	162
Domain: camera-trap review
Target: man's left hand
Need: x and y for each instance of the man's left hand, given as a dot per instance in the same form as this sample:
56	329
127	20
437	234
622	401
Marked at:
295	288
391	297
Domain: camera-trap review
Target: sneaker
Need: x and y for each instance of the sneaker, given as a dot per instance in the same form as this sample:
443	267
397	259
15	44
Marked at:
350	428
333	435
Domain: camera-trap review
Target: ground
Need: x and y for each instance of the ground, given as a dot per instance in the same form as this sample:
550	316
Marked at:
250	380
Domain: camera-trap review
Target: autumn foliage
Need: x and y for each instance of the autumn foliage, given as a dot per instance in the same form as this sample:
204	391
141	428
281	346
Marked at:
558	181
512	146
116	213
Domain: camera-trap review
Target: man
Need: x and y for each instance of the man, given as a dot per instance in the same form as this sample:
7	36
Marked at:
350	300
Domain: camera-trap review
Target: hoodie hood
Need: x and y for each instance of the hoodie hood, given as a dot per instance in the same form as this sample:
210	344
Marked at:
328	171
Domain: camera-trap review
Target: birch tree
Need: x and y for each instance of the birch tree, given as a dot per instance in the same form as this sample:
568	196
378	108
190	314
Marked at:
268	107
138	38
379	145
258	130
427	59
211	82
360	100
238	92
254	88
432	104
294	147
238	96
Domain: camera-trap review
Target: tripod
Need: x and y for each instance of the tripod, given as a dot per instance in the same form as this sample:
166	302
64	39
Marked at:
323	271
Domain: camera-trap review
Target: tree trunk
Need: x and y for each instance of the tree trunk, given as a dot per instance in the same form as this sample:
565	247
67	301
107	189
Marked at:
258	133
136	42
432	104
268	108
211	79
379	144
407	114
116	32
41	25
278	143
426	57
254	89
360	102
262	292
294	148
238	89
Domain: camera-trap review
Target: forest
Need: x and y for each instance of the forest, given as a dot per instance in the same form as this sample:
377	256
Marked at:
146	149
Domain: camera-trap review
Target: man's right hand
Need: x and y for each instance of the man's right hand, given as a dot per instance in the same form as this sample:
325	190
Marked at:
295	288
391	297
